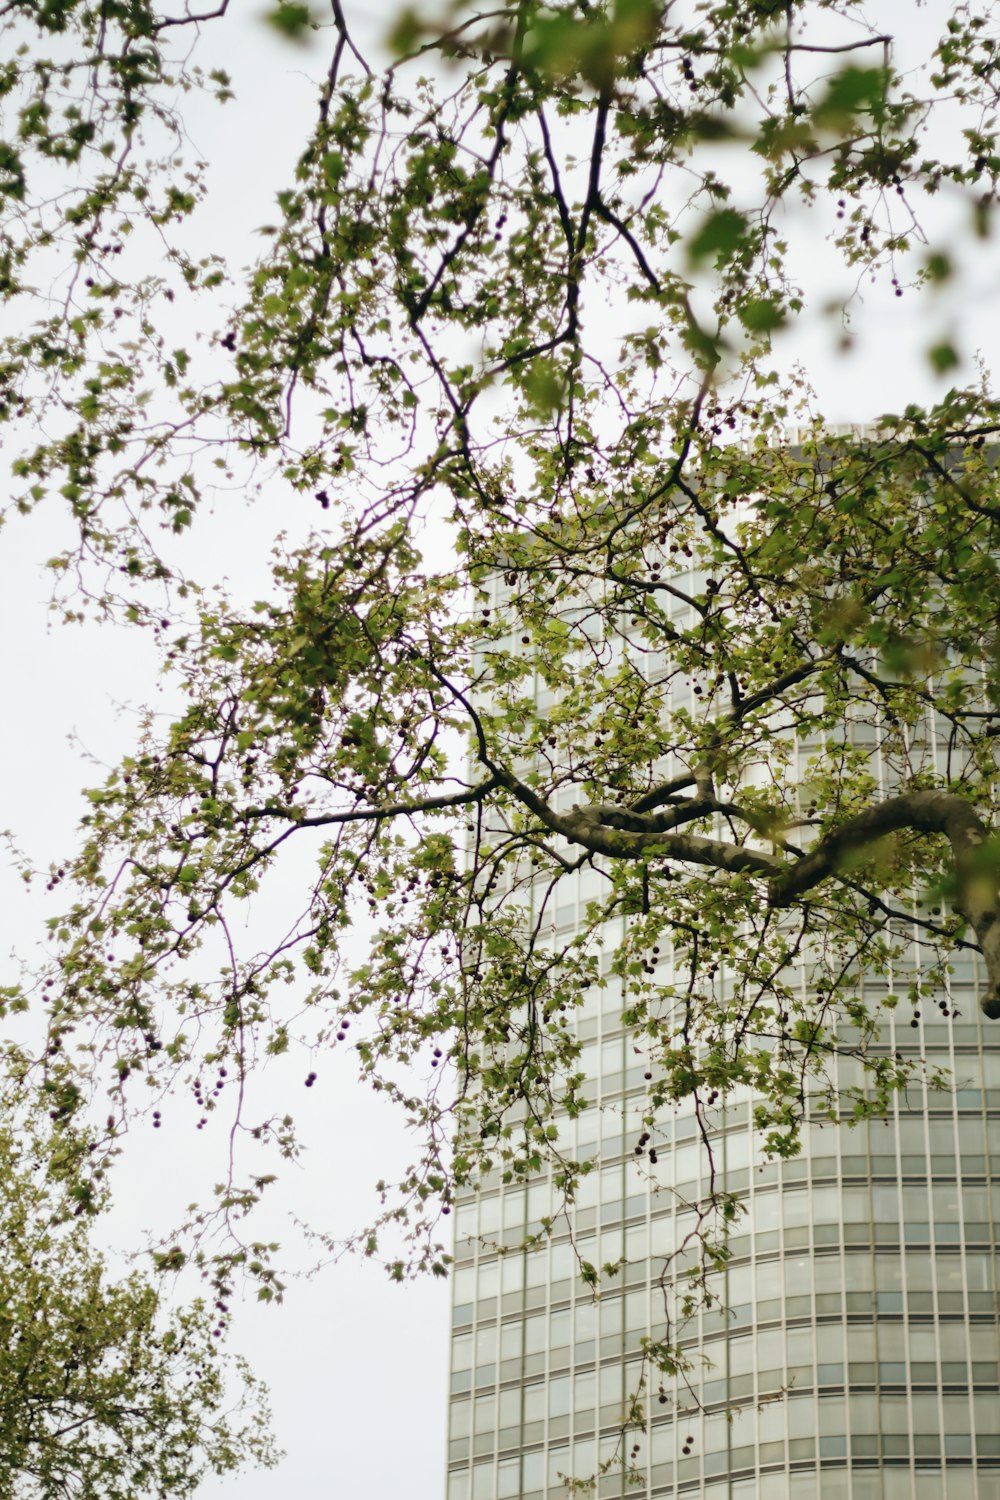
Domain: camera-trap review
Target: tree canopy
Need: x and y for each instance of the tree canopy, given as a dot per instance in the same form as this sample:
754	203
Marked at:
588	602
101	1395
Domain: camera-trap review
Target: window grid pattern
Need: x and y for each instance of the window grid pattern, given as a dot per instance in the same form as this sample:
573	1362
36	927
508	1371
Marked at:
862	1325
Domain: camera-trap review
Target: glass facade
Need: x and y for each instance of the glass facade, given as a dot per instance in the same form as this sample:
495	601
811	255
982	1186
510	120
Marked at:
856	1353
859	1355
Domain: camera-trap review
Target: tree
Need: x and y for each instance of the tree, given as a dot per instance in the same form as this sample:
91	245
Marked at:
100	1394
524	288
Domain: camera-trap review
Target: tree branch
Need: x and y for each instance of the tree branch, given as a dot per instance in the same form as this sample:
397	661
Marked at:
377	814
627	833
978	895
587	826
658	795
623	833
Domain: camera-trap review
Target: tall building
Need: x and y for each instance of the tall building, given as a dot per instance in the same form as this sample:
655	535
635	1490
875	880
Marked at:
857	1353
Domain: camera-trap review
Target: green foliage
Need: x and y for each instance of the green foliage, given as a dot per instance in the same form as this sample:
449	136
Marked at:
290	20
591	592
101	1394
720	236
854	91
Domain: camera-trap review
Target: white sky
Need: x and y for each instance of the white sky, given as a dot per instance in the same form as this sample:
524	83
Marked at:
357	1366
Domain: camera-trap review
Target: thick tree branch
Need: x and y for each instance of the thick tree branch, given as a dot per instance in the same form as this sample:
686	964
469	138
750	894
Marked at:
666	792
978	894
588	826
623	833
627	833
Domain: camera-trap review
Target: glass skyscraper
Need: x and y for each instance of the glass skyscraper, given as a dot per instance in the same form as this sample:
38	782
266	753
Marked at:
856	1348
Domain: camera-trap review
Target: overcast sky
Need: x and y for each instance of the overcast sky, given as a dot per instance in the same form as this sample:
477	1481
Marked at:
357	1365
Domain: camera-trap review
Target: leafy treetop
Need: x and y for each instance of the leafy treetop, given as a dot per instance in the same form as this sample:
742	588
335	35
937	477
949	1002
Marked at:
100	1395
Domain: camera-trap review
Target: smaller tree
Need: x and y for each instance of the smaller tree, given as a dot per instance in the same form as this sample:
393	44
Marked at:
100	1395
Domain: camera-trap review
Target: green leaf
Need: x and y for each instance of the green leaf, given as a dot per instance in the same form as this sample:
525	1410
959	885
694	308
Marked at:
291	20
761	314
943	357
544	386
938	267
853	91
720	236
406	32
